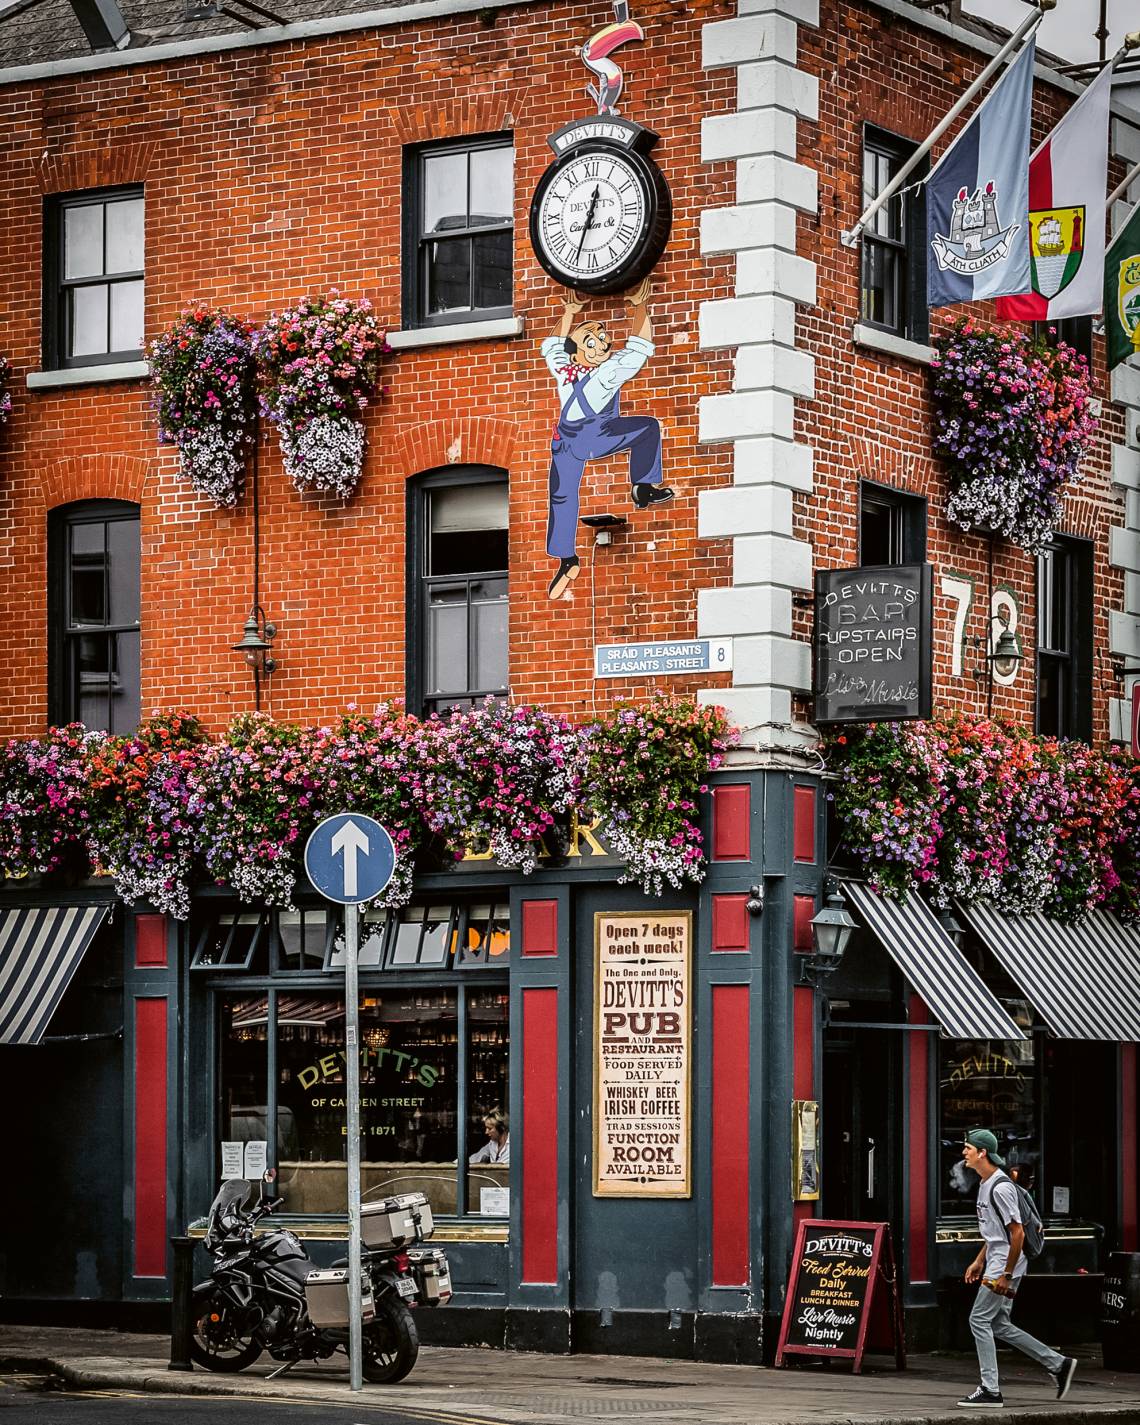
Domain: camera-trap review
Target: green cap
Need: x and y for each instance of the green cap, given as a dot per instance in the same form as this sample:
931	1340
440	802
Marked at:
982	1138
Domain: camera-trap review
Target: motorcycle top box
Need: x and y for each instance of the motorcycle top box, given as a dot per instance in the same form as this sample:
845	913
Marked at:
326	1295
396	1221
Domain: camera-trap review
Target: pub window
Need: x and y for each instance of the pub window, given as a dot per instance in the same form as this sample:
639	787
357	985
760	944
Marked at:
458	590
459	216
1064	639
93	278
892	526
434	1063
893	247
989	1084
93	615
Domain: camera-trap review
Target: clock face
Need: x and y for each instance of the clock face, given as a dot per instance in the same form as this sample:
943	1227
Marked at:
598	221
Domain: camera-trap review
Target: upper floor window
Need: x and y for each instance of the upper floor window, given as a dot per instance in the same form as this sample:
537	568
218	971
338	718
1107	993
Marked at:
892	283
93	278
1073	331
93	612
1064	639
459	590
892	526
459	212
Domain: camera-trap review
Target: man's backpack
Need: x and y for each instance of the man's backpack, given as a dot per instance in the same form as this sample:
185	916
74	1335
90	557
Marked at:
1034	1243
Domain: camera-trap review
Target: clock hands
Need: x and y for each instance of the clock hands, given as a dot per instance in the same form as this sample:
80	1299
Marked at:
589	220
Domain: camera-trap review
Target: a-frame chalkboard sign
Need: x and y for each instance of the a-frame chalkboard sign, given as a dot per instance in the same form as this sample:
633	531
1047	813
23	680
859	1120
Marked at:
843	1294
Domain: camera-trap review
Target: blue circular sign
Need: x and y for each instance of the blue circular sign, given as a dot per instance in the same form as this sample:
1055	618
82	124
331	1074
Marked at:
350	858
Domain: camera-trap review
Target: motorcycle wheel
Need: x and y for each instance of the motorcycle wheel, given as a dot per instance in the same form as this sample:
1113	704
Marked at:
216	1345
391	1344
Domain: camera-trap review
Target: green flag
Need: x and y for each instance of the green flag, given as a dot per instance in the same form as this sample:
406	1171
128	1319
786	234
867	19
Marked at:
1122	292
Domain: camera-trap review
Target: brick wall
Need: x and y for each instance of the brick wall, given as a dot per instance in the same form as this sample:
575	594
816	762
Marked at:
272	172
871	415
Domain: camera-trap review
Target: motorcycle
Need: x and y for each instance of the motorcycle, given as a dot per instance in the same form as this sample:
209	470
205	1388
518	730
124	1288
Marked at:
265	1295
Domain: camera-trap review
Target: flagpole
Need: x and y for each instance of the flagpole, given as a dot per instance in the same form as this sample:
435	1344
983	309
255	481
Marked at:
850	238
1122	187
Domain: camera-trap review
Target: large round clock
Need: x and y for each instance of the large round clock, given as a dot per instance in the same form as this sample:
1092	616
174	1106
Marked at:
600	217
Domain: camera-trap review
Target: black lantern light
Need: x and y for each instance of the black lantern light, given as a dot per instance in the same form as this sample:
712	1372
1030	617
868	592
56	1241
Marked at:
256	647
831	931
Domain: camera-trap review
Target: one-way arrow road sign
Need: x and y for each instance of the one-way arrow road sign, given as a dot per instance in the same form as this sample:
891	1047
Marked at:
350	858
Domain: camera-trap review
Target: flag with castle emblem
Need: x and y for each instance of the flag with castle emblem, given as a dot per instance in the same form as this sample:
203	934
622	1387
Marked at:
977	198
1068	176
1122	292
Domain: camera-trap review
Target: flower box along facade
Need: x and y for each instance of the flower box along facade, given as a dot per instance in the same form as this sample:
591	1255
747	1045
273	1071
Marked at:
352	421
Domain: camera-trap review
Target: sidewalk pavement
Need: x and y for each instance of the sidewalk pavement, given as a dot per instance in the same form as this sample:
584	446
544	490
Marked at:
504	1386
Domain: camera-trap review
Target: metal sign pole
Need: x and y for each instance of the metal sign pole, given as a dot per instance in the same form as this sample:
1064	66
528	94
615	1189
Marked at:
352	1100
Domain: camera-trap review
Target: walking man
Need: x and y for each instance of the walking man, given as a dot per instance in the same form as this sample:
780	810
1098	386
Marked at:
1000	1267
590	373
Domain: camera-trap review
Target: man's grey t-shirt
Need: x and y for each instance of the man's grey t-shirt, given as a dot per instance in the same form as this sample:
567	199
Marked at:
998	1206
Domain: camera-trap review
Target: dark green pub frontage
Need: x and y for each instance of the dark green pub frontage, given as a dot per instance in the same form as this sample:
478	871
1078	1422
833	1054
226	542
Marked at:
158	1041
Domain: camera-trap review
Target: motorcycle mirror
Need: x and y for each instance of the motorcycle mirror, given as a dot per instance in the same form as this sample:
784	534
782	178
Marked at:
269	1175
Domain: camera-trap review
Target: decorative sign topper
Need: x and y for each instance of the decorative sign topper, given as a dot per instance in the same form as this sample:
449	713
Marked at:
873	631
642	1053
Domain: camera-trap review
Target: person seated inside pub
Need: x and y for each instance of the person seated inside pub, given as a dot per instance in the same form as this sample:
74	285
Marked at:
497	1148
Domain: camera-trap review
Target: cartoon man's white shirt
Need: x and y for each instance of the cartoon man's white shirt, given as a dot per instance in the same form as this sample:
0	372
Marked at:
603	383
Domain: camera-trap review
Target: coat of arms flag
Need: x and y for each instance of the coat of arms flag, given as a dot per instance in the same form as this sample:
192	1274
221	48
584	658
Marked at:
977	198
1122	292
1067	179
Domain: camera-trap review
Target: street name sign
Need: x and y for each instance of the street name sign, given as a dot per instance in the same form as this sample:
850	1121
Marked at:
667	658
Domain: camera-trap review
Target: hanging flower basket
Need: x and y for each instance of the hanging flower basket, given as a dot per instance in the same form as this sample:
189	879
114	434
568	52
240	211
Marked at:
204	379
320	363
1012	420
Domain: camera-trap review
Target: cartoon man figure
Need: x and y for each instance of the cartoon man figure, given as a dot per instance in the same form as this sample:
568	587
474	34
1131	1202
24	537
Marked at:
589	374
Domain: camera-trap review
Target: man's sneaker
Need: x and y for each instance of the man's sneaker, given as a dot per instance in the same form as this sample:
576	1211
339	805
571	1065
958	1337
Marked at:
646	495
568	570
1064	1377
983	1399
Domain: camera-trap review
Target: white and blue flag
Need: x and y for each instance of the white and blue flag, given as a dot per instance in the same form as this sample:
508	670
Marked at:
977	198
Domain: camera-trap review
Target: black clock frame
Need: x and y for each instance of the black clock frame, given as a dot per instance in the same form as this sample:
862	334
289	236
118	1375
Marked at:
656	226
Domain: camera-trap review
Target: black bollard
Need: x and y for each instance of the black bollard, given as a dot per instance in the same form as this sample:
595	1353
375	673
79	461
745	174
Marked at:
181	1303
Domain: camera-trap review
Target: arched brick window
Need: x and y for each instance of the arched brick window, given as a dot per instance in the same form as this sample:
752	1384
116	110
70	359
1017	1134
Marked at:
94	614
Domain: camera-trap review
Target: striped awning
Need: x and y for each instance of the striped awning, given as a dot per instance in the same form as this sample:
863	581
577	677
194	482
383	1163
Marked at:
40	951
1083	980
955	993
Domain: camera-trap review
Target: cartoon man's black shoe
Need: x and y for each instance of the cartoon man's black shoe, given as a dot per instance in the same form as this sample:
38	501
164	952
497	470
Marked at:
568	570
646	495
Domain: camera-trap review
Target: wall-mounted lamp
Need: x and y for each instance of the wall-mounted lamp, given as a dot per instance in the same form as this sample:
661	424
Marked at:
256	647
951	925
1001	660
604	525
831	931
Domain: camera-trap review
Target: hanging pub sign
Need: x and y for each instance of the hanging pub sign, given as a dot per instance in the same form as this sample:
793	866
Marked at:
642	1053
873	643
843	1296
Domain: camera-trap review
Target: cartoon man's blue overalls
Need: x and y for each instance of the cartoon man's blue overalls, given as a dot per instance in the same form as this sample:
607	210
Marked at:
590	375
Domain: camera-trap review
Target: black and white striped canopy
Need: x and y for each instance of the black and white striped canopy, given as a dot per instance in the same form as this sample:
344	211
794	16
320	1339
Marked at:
40	951
940	974
1083	980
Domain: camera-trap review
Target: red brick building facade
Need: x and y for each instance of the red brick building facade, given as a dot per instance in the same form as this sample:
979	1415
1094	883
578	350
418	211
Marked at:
275	164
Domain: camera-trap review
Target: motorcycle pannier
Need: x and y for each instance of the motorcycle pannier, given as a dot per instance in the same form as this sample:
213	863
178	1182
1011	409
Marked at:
396	1221
433	1275
326	1294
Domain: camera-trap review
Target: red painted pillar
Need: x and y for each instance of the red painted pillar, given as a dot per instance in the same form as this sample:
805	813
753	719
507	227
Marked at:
540	1135
730	1135
150	1137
